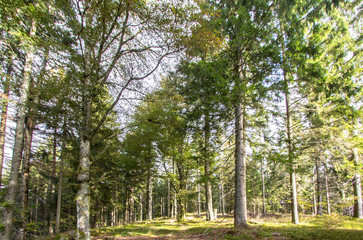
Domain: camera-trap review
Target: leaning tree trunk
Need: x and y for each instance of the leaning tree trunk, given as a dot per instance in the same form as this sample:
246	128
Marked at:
4	114
28	137
240	208
358	212
8	212
208	185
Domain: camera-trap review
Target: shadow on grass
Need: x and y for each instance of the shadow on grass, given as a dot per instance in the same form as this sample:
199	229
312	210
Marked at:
326	227
289	231
167	228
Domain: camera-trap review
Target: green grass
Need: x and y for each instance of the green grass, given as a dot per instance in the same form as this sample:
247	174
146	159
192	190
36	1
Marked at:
163	227
324	227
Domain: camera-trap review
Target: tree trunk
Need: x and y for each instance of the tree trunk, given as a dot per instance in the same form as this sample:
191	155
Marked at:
315	209
168	214
4	114
149	200
59	195
291	168
327	191
358	212
240	212
222	198
263	188
208	185
175	205
8	212
52	197
36	203
318	189
141	207
199	201
83	194
59	199
290	144
28	137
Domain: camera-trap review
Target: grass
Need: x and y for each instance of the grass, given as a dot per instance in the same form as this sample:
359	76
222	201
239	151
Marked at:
324	227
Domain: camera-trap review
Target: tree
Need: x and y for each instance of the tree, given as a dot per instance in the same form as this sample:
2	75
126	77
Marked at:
249	26
8	212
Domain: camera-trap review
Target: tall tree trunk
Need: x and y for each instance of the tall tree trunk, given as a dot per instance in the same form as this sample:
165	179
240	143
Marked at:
327	191
168	214
290	144
60	186
131	206
358	212
141	207
318	189
28	137
208	185
59	196
36	203
83	194
4	113
175	195
263	188
52	196
8	212
315	209
149	200
240	211
222	197
199	200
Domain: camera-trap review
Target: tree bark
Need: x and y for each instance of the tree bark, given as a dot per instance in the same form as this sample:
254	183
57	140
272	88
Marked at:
222	197
59	197
8	211
315	209
149	200
240	212
60	186
208	185
4	114
263	188
168	214
327	191
358	211
240	215
290	145
83	194
141	208
199	201
28	137
318	189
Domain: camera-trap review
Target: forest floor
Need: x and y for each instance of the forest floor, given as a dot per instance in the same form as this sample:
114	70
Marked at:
323	227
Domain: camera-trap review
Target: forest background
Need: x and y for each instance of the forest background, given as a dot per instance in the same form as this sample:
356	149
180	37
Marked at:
254	108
